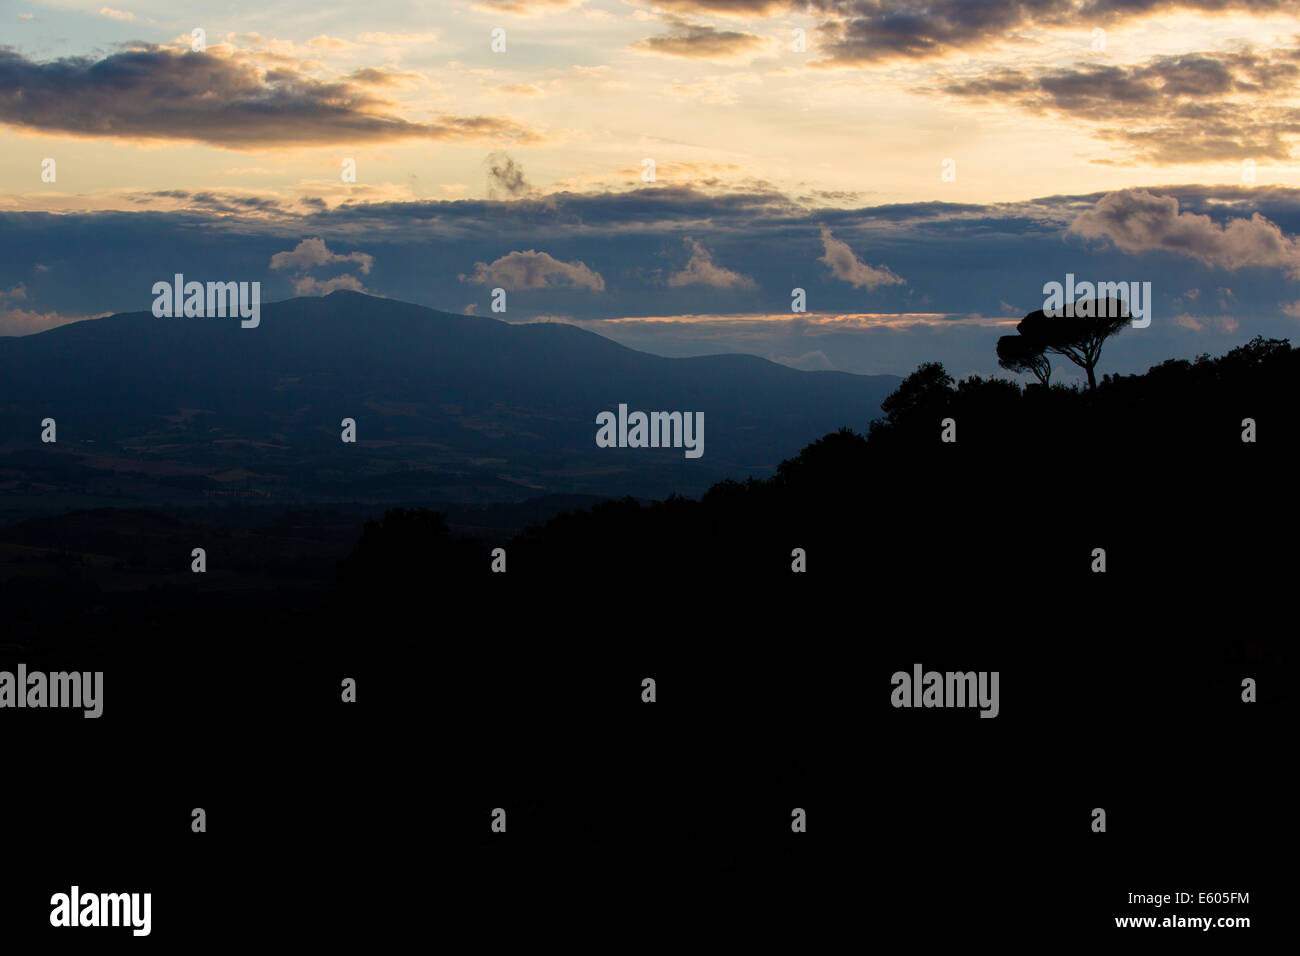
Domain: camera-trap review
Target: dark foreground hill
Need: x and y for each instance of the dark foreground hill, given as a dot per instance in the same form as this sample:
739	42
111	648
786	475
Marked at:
1003	529
449	408
1120	689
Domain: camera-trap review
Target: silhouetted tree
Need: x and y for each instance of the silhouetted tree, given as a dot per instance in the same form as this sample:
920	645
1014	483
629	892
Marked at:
1258	351
1019	354
930	386
1077	333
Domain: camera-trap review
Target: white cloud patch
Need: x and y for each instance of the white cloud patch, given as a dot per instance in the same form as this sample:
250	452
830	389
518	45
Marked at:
701	270
29	321
531	269
1225	324
1136	220
846	266
306	285
313	252
20	321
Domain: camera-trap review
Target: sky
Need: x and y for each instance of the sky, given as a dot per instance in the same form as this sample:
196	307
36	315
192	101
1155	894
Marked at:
666	174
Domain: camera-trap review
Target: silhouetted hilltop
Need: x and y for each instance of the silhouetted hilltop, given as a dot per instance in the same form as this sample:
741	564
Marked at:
998	526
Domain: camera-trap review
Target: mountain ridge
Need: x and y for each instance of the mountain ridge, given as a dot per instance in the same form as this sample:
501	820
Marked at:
459	398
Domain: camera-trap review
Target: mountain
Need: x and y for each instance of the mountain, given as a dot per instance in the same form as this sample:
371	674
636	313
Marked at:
451	408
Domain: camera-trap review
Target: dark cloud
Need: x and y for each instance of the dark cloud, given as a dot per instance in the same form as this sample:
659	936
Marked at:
855	32
214	202
505	178
162	94
565	214
739	8
375	77
1172	109
869	31
685	210
527	7
700	41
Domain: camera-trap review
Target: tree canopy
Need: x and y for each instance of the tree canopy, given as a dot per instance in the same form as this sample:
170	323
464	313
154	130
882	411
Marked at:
1076	331
1017	353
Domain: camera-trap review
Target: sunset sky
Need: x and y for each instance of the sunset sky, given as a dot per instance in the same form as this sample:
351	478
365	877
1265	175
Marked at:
1120	140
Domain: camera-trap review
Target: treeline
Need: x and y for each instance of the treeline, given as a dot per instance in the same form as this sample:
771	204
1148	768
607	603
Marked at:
966	493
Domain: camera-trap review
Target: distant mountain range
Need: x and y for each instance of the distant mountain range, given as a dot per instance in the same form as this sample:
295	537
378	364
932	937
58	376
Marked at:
449	408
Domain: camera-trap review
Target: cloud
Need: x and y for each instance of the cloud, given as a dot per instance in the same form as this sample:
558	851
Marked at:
700	41
527	8
701	270
505	178
735	8
112	14
535	270
311	253
1136	220
306	285
848	267
1192	107
1223	324
213	98
27	321
375	77
856	32
240	204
